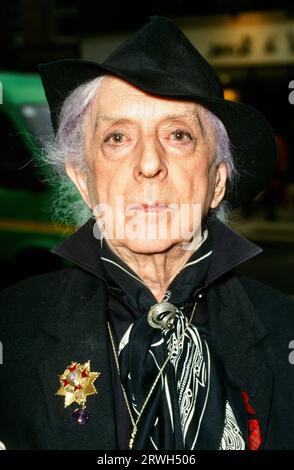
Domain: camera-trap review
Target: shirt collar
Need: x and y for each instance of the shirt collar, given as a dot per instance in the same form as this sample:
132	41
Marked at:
124	282
227	249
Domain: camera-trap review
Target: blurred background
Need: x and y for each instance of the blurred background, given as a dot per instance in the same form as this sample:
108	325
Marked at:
249	42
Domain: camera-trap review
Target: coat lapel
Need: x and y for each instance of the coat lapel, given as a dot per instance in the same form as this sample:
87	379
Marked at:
240	333
78	333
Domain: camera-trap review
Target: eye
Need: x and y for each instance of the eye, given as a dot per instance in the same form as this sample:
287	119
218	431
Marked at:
180	135
115	138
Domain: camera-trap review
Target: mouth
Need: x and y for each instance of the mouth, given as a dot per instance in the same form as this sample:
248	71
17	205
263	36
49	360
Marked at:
156	206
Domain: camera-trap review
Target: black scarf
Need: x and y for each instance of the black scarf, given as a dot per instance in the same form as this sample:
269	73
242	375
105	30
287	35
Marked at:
188	408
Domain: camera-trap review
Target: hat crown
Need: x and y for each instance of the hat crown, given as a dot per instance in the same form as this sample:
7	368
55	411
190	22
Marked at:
162	52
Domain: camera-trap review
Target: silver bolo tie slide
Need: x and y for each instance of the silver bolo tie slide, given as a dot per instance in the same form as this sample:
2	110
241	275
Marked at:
162	315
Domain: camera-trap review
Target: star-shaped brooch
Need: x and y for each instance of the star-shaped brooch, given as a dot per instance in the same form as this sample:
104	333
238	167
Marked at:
76	384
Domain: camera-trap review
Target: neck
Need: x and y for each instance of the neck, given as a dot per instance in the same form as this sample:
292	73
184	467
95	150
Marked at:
157	270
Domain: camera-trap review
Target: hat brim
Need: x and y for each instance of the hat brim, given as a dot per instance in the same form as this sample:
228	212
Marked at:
252	139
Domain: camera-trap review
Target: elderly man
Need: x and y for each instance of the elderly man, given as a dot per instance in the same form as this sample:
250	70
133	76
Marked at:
150	340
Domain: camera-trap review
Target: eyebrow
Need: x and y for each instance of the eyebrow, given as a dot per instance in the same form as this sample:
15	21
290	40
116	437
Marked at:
108	117
116	117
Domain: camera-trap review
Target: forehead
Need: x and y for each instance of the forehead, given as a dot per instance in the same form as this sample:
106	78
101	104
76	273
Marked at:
117	99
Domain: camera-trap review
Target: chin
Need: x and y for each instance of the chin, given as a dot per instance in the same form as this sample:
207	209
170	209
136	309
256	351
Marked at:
145	246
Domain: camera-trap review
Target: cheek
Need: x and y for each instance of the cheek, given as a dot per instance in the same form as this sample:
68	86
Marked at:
110	181
192	183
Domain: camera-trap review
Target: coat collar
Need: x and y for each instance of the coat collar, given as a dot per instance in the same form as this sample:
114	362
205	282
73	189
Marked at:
230	249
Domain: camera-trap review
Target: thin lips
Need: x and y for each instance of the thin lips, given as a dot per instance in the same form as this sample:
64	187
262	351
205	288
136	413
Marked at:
146	205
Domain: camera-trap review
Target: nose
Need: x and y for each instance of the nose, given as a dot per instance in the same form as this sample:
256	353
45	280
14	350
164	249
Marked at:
150	162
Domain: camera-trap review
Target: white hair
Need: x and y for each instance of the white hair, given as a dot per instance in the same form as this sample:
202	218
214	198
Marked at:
66	203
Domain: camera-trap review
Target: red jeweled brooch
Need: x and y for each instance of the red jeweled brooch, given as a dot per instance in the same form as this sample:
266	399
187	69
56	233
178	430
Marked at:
76	384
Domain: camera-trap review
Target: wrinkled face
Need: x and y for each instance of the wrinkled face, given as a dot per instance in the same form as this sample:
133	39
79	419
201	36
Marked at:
151	163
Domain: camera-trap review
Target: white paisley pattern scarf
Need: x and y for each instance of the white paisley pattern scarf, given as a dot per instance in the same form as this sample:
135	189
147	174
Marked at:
199	409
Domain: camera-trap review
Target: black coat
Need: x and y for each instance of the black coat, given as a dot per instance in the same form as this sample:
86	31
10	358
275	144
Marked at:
48	321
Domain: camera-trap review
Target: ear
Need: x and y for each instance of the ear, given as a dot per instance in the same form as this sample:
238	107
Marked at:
219	185
81	180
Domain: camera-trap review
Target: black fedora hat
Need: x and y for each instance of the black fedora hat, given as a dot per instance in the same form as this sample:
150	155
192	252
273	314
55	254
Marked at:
159	59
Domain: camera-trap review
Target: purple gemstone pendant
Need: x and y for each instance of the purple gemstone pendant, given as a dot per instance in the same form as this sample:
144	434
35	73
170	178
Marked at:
81	416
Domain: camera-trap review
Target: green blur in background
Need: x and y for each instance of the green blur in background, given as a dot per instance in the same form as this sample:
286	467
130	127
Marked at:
26	229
